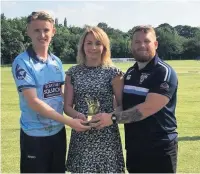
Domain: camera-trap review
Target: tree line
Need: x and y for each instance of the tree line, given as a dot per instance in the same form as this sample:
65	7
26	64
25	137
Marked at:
179	42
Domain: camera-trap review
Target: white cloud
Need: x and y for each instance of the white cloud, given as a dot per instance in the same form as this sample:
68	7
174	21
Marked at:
8	4
119	15
88	13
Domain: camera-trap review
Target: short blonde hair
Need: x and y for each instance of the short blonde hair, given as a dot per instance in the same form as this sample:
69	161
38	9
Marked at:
40	15
145	29
100	35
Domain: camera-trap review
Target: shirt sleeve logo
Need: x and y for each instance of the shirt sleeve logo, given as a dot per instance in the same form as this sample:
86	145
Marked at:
20	73
164	86
52	89
56	69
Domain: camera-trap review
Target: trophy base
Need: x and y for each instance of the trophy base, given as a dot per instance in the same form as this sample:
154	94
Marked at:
89	123
89	118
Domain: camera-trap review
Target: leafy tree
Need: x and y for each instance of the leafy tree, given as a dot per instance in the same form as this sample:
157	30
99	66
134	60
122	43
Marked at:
103	26
12	44
174	42
12	41
170	43
187	31
192	47
56	22
65	22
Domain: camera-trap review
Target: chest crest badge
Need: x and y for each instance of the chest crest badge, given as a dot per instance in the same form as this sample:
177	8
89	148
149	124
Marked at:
143	77
128	77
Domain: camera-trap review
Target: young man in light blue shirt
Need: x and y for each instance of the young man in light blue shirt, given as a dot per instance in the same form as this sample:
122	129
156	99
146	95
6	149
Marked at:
39	78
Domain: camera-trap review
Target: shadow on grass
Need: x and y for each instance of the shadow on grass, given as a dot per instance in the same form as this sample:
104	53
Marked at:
10	129
194	138
187	138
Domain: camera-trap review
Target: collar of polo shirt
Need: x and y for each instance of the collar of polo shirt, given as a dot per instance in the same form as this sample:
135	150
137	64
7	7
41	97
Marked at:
149	66
32	54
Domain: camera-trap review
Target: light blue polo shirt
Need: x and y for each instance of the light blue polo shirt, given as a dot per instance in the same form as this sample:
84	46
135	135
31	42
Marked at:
29	71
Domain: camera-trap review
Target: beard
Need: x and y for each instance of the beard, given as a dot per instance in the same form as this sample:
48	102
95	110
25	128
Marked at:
139	57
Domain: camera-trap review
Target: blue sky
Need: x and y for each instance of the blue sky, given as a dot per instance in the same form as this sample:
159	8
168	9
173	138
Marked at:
121	15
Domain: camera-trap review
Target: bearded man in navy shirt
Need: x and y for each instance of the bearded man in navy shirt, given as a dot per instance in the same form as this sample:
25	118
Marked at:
148	111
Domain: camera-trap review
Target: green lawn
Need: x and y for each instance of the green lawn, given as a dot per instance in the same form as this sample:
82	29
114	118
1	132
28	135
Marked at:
188	116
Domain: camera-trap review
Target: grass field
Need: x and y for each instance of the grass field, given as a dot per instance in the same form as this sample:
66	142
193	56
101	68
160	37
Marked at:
188	116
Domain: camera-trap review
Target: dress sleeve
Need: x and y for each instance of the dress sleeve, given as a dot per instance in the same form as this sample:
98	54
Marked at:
70	72
116	72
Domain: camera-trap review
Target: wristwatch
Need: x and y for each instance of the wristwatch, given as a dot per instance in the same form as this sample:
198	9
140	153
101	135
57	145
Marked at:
114	118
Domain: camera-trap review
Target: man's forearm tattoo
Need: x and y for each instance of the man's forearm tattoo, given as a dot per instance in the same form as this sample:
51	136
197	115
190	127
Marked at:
118	109
128	116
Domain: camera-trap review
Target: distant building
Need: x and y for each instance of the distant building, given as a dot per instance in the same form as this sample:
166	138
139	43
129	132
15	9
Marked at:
123	59
198	58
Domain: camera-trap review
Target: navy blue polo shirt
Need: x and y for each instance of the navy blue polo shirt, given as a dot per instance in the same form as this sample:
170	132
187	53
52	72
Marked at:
29	71
160	128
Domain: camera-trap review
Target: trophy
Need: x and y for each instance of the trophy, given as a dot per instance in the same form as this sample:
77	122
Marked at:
93	106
